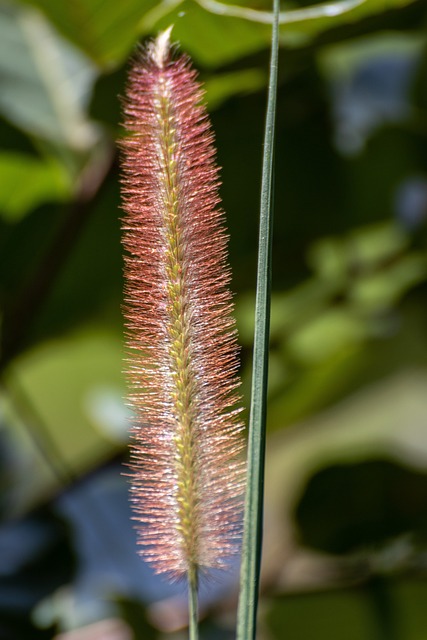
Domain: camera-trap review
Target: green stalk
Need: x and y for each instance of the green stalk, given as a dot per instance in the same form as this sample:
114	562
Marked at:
252	536
193	603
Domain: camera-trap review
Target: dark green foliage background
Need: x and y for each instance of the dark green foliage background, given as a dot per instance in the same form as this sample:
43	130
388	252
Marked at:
346	498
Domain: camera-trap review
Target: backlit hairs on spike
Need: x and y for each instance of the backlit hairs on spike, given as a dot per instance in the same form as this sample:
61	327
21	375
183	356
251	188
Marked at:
181	339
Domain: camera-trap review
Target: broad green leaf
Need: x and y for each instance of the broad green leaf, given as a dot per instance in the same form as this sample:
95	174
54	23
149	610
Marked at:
309	28
363	250
211	40
44	81
72	385
334	330
27	181
372	246
216	33
105	30
315	387
381	291
220	87
341	60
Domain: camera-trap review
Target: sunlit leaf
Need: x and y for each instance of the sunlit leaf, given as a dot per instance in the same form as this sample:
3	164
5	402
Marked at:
44	81
104	29
220	87
323	336
215	33
210	39
382	290
26	182
69	384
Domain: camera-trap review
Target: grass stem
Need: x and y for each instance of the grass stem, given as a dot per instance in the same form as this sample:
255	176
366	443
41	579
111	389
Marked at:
193	606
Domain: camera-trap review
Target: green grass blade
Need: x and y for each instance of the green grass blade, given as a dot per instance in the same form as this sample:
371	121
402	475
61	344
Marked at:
252	537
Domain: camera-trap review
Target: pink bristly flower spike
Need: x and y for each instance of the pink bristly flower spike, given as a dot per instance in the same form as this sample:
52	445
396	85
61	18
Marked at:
187	469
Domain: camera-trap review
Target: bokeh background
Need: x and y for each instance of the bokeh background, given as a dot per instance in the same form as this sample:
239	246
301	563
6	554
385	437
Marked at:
346	485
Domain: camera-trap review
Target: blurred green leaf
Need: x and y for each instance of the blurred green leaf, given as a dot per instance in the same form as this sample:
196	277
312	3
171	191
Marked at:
371	246
215	39
64	382
27	181
90	283
362	250
380	291
340	60
210	39
329	259
316	386
44	81
384	420
289	309
105	30
220	87
309	28
357	276
105	104
334	330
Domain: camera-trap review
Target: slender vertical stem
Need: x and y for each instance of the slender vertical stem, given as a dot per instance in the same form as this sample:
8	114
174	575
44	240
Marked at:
252	537
193	603
384	607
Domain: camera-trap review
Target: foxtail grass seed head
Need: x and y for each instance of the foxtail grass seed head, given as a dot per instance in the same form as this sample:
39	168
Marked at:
187	470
